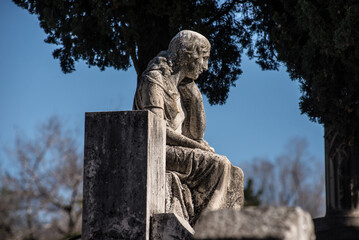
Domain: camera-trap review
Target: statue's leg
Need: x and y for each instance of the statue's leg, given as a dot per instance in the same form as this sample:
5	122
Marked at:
178	197
213	181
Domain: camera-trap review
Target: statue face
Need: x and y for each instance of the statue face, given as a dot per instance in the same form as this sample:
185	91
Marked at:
197	66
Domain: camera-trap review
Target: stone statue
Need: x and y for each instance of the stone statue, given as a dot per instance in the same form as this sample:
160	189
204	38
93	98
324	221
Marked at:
200	178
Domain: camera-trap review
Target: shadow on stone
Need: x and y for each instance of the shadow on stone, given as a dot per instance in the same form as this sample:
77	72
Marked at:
337	228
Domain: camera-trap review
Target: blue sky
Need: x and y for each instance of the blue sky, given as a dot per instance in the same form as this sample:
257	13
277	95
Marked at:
259	118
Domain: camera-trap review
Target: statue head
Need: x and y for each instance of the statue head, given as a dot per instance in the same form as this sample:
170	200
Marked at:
189	52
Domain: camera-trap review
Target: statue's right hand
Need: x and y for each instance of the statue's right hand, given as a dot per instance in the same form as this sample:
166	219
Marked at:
176	139
205	143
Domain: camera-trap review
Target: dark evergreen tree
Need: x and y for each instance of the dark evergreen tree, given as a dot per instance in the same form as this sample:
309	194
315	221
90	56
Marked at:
317	41
114	33
251	197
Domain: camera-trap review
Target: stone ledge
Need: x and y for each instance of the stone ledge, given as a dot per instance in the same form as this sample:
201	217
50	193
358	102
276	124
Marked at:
279	223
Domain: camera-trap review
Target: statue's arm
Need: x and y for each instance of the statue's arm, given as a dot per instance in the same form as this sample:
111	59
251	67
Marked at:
153	99
195	123
205	143
175	139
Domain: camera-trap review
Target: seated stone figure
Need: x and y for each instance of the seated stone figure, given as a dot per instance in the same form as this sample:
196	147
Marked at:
201	179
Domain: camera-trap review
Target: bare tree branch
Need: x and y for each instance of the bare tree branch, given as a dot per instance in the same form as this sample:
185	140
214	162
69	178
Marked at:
292	179
47	183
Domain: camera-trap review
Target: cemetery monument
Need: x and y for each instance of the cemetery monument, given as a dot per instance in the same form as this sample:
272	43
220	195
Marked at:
149	173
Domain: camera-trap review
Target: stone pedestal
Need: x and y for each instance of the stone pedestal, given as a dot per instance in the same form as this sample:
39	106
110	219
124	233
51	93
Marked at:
341	221
124	174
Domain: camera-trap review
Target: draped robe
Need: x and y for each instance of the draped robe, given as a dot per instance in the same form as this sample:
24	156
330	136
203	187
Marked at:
198	180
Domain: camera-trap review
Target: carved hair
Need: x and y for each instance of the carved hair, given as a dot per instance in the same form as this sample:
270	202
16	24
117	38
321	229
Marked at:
186	46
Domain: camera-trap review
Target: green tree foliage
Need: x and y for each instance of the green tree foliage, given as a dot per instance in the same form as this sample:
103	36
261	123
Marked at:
114	33
317	40
251	197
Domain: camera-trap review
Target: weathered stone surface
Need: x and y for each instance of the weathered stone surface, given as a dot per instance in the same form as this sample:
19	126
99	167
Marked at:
175	194
124	174
271	223
168	226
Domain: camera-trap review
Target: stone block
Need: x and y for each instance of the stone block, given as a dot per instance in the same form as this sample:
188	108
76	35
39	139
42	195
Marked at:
124	174
271	223
169	226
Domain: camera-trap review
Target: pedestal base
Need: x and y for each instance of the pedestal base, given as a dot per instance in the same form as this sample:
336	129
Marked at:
337	228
